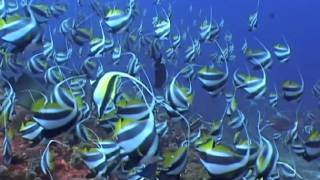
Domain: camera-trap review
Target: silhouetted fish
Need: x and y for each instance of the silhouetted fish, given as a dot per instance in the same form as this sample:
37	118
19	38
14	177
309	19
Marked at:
160	75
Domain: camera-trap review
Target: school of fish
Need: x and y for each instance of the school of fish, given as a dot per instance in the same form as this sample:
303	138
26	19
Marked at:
82	74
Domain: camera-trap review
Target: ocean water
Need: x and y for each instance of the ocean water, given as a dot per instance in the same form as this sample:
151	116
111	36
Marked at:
93	114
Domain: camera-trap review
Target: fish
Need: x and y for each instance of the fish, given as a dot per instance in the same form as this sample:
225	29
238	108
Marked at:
213	80
232	104
162	27
237	122
274	98
267	157
160	75
101	159
134	66
287	171
38	63
7	147
193	51
178	97
282	51
174	161
84	78
132	108
259	57
311	146
253	19
61	57
105	92
46	162
22	31
316	89
100	45
254	86
48	47
293	91
209	31
137	138
42	12
117	20
221	161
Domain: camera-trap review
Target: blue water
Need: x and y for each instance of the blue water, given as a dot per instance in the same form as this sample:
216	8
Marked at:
296	20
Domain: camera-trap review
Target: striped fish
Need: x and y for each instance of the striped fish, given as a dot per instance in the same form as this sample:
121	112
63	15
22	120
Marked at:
105	92
176	41
162	27
46	161
178	97
253	21
209	31
99	45
81	35
109	119
292	91
117	20
57	115
12	7
42	12
316	89
292	134
193	51
31	130
282	51
238	121
267	158
37	64
62	57
213	80
54	75
92	68
48	46
3	10
287	171
7	148
116	53
170	54
273	99
259	57
58	9
138	139
254	86
65	26
134	65
232	104
241	148
298	148
312	146
22	31
132	108
222	162
101	158
7	104
174	161
189	71
162	128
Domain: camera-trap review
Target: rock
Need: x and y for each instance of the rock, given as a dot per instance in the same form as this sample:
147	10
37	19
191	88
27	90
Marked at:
3	169
76	160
